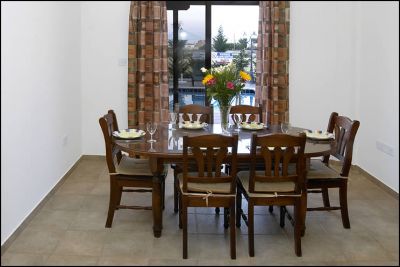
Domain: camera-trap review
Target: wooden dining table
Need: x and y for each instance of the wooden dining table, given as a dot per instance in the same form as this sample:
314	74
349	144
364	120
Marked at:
169	144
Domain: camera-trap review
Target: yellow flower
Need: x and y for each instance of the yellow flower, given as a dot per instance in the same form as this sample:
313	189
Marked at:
207	78
245	76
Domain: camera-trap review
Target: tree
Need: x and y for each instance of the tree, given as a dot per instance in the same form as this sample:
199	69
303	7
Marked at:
241	60
184	59
220	43
241	44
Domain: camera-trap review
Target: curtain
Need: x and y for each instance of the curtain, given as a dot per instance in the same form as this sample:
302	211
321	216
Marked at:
147	63
272	70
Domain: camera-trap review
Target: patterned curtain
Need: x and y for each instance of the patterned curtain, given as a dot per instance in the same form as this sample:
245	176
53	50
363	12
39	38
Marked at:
272	70
147	63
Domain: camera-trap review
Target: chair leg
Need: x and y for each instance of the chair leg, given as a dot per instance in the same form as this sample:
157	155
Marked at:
217	210
343	205
119	196
233	229
226	218
238	207
115	191
251	228
163	194
175	192
271	209
297	227
282	214
185	237
303	211
325	197
180	210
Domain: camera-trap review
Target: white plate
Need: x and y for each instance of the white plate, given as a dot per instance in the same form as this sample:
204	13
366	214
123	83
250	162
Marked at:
129	134
252	126
193	125
319	135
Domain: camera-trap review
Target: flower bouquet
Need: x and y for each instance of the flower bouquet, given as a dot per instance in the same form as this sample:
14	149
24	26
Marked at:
223	84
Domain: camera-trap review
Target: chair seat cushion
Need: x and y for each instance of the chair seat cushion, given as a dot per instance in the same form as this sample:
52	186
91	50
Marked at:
318	170
283	187
222	188
134	166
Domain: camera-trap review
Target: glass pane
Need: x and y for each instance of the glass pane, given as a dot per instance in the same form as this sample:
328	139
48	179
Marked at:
234	38
191	55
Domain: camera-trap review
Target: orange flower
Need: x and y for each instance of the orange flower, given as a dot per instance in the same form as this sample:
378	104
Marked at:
207	78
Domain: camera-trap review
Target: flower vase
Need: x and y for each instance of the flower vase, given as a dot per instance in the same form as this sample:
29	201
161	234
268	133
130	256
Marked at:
224	111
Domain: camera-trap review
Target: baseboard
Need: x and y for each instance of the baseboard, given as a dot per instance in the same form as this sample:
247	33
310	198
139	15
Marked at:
372	178
29	218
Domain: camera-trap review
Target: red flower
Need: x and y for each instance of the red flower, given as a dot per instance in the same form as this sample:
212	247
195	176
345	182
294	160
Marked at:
230	85
211	81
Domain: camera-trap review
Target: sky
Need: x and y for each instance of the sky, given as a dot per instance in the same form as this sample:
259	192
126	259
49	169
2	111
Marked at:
235	21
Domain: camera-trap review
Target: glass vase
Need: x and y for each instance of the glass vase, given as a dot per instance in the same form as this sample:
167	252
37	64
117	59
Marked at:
224	112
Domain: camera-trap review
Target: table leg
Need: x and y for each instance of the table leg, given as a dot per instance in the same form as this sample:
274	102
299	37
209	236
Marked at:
156	168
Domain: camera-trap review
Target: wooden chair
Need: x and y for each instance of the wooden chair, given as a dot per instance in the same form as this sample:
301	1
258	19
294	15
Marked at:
207	114
321	176
274	185
255	112
206	185
208	117
125	173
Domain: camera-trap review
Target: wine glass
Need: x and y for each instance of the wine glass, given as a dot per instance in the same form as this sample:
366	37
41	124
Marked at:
151	128
237	118
285	126
172	119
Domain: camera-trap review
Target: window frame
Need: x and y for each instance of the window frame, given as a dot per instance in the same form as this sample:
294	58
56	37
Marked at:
175	6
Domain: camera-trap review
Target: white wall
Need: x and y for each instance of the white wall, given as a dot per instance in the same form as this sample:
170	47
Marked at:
40	103
344	58
377	74
104	82
321	62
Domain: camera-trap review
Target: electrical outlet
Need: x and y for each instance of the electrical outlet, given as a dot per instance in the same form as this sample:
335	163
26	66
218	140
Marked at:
385	148
65	140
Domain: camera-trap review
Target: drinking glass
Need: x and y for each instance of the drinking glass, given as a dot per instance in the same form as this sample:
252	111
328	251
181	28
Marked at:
151	128
285	126
237	118
172	119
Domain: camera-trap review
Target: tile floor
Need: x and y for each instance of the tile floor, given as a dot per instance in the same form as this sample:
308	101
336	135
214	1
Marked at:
69	230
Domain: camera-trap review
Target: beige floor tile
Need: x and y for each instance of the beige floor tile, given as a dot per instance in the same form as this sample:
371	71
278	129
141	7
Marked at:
23	259
75	188
36	241
126	244
53	219
65	202
84	243
71	260
123	261
89	220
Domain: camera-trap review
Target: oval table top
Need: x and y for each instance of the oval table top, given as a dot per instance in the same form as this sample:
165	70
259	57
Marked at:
169	141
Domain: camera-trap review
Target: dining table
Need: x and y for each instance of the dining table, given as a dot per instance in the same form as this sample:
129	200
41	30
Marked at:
168	148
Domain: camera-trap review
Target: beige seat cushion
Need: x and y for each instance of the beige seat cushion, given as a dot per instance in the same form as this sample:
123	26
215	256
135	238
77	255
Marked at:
278	187
222	188
319	170
133	166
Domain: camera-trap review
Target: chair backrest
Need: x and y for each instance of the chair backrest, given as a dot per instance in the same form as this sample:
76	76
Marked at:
277	151
255	112
108	124
207	113
345	131
209	152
